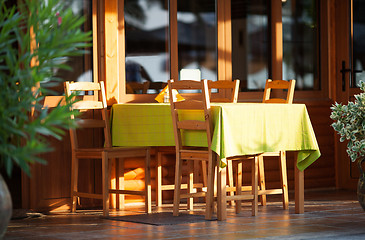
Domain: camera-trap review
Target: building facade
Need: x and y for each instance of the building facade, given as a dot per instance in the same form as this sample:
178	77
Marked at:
316	42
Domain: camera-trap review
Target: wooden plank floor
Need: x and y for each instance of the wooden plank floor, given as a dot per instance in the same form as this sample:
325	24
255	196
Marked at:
329	214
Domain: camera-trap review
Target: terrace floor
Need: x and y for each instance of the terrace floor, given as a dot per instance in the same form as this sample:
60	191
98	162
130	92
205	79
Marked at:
329	214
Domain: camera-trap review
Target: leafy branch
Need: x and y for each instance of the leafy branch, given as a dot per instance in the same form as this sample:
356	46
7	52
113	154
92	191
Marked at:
350	124
57	35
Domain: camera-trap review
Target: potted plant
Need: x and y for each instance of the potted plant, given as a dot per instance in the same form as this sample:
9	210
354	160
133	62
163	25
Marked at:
25	70
349	123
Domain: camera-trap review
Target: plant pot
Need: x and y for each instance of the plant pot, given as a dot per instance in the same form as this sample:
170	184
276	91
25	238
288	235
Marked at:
6	207
361	185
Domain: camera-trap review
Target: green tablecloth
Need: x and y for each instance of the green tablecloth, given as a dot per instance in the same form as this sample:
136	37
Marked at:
239	129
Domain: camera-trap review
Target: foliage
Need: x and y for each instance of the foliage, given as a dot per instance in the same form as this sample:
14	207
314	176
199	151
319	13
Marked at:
57	35
350	124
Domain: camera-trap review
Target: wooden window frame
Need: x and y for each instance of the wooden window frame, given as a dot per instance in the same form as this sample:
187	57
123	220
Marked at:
114	68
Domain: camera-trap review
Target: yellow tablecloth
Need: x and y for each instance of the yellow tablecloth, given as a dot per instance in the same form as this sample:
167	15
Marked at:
239	129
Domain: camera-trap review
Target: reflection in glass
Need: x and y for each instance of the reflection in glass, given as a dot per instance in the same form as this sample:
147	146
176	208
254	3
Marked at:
81	65
197	51
358	43
146	37
250	54
300	43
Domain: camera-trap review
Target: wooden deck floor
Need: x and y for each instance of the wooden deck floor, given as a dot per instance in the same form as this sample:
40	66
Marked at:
329	214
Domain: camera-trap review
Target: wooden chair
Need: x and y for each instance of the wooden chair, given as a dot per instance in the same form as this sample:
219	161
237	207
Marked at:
135	87
289	87
279	84
231	95
205	154
231	86
106	153
191	154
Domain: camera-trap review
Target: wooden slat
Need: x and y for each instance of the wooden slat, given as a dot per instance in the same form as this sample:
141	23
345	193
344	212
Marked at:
239	197
271	191
189	195
130	192
186	85
86	86
53	101
275	100
189	104
221	84
85	105
192	125
278	84
198	155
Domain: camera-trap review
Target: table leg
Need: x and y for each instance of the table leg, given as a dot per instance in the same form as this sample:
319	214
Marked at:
299	187
221	194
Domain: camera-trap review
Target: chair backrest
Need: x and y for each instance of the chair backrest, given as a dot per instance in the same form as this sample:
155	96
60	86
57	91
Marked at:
97	101
279	84
231	86
201	103
135	87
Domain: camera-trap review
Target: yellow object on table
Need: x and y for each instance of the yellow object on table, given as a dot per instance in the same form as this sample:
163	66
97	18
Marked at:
162	96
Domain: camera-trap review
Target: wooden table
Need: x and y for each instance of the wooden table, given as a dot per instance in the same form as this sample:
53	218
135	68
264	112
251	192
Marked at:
239	129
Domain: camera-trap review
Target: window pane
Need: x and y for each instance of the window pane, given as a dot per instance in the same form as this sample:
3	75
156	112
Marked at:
300	36
146	34
250	52
358	43
81	65
197	51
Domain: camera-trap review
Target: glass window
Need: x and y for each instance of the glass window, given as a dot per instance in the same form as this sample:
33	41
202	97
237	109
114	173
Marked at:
146	36
358	43
250	46
197	39
301	43
82	66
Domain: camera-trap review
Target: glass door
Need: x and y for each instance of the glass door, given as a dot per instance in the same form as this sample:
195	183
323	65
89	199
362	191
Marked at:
197	41
351	62
147	58
250	43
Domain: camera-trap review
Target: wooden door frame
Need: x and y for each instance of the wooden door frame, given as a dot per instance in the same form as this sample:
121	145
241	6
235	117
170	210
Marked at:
343	91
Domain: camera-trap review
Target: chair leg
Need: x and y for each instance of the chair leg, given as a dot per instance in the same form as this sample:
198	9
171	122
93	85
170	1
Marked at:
262	179
177	189
239	186
204	172
74	181
209	198
230	178
284	179
254	175
159	179
147	178
190	180
221	195
105	182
